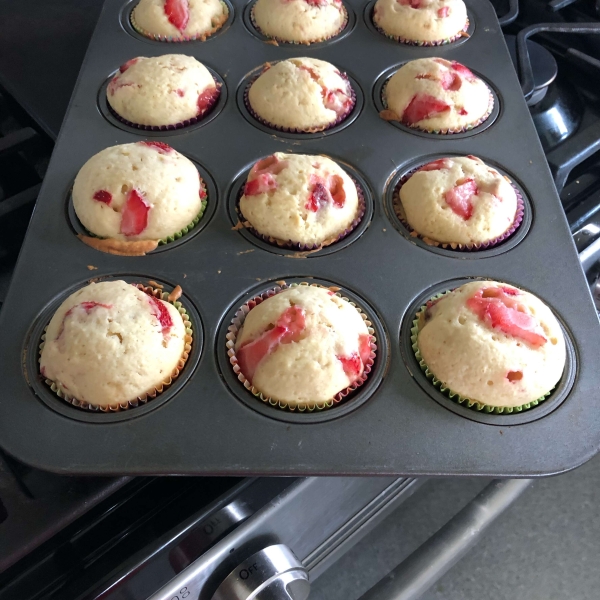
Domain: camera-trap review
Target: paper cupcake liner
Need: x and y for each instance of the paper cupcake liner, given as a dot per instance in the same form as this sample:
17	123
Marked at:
319	129
423	43
289	244
173	126
184	38
448	131
399	211
149	395
315	41
455	396
237	323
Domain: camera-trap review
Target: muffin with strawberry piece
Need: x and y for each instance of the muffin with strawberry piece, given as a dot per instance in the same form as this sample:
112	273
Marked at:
459	201
302	347
300	200
132	196
299	21
438	96
301	95
179	20
497	347
111	345
421	22
162	92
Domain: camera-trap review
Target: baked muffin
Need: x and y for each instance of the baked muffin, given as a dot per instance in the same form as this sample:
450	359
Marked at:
301	94
493	344
299	21
437	95
303	199
110	344
179	20
459	201
141	191
421	22
163	91
303	346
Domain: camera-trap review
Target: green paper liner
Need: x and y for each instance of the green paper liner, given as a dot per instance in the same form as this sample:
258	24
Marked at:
455	396
150	394
465	128
185	38
236	324
423	43
282	41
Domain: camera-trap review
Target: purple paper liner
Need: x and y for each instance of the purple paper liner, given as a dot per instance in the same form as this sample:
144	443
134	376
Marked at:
282	41
423	43
398	211
173	126
159	388
289	244
185	38
463	129
237	322
339	120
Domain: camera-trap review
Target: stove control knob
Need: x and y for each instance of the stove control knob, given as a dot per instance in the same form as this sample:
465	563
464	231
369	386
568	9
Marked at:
273	573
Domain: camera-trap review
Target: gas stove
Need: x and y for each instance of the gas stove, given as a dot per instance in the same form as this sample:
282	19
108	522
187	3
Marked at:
123	538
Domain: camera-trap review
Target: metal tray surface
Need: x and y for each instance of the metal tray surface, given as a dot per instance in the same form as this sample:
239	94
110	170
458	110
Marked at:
207	424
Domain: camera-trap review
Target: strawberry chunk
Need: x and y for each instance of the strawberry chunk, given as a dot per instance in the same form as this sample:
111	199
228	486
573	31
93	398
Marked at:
178	13
103	196
444	11
161	147
180	92
318	197
160	311
459	198
128	64
288	329
336	100
437	165
87	308
352	365
202	192
423	106
510	291
205	100
462	70
500	311
134	217
271	164
115	84
336	189
411	3
451	81
263	184
364	346
316	3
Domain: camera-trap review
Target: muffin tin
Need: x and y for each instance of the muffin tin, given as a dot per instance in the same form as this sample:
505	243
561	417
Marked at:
207	423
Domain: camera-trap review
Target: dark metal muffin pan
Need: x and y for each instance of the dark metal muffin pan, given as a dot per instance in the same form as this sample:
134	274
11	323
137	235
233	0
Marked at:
207	423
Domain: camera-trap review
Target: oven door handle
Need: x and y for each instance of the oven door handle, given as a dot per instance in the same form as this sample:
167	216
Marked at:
412	577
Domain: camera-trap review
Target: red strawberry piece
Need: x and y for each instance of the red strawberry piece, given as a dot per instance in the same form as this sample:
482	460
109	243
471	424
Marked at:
180	93
134	217
459	198
336	100
437	165
462	70
353	366
178	13
202	192
271	164
205	100
423	106
473	157
510	291
336	189
263	184
103	196
161	147
128	64
319	194
501	311
451	81
444	11
364	346
316	3
115	84
288	329
160	311
411	3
